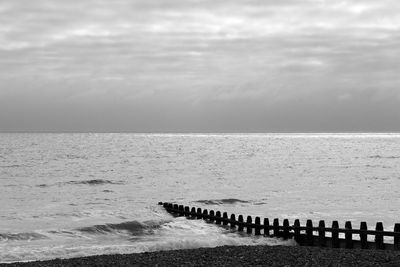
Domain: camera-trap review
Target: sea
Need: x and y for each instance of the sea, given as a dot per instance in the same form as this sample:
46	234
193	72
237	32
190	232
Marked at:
67	195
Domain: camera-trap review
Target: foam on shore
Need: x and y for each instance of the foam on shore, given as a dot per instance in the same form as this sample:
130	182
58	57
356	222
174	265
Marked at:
129	237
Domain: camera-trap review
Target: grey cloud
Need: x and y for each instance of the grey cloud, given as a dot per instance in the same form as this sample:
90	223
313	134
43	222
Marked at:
199	65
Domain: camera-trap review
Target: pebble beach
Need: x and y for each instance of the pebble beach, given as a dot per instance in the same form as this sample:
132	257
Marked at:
235	256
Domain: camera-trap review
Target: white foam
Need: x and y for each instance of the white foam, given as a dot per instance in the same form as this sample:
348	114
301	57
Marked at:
180	233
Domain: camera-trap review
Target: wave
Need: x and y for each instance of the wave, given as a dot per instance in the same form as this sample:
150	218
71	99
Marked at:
71	156
222	201
83	182
377	166
172	238
175	233
21	236
185	234
383	157
108	191
377	178
132	227
95	182
12	166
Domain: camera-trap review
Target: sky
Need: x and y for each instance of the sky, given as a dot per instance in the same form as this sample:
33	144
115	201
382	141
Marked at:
200	65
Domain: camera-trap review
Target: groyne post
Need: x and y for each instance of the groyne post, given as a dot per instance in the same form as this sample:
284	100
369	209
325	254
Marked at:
181	210
266	227
335	234
225	218
309	233
378	236
286	231
257	227
248	224
363	235
285	228
240	223
348	235
198	213
396	240
233	221
218	217
205	215
296	228
276	227
193	213
321	233
187	211
211	216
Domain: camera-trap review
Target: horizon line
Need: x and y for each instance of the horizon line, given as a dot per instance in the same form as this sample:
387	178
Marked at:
167	132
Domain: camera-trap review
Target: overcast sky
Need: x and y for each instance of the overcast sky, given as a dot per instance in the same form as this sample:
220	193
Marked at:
200	65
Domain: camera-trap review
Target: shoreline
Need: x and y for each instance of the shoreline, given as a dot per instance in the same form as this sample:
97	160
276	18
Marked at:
234	256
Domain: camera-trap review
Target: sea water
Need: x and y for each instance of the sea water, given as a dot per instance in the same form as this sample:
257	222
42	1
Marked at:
68	195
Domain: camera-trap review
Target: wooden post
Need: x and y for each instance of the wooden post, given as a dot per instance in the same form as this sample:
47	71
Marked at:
240	223
396	241
165	205
257	228
378	236
309	233
285	228
181	210
170	207
363	235
225	218
348	235
187	211
212	217
335	234
321	234
233	221
296	227
249	222
205	214
218	219
176	208
193	213
160	203
198	213
266	227
276	227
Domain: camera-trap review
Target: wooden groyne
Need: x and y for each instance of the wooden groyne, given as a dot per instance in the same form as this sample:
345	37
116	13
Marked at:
306	235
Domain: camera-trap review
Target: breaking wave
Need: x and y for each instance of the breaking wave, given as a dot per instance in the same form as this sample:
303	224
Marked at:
133	237
21	236
222	201
133	227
